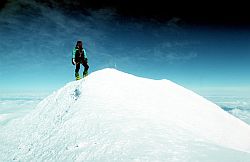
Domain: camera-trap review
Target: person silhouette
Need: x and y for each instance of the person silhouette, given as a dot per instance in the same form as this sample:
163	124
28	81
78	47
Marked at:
79	56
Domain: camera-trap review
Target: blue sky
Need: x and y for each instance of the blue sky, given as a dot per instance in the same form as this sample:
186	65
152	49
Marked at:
36	50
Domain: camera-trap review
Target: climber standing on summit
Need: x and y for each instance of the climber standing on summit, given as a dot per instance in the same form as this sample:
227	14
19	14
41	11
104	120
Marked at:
79	56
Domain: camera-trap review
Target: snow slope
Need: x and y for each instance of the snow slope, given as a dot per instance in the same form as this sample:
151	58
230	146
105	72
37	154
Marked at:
114	116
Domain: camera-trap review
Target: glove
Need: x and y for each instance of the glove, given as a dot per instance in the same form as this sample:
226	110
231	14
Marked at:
73	61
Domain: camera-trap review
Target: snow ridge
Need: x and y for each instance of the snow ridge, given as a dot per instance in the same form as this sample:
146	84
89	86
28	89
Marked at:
115	116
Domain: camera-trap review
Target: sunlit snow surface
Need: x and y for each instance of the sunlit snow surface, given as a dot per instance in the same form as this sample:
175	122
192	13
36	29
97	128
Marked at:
113	116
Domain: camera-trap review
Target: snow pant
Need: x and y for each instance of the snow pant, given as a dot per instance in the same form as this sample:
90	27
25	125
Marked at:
86	67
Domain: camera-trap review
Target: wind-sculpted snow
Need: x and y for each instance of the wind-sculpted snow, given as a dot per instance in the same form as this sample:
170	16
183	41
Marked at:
114	116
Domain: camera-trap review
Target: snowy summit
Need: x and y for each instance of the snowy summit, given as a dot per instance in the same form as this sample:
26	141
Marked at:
115	116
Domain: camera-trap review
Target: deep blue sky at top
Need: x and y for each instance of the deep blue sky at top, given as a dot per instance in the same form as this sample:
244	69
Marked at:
199	50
